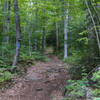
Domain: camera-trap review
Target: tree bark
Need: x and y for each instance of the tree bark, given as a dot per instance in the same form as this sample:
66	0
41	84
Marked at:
18	33
36	28
43	34
97	36
5	20
43	41
9	7
35	44
29	37
4	25
57	38
8	21
65	34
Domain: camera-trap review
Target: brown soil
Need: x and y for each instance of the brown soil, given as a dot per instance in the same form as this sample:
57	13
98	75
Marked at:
44	81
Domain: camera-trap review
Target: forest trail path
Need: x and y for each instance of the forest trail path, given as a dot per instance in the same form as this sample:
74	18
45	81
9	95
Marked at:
43	81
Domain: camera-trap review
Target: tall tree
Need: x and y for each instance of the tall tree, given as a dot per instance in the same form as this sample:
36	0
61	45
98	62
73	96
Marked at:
94	24
57	39
65	33
18	32
9	8
4	25
43	33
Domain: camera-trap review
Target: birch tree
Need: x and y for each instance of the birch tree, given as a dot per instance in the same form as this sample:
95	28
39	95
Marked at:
65	34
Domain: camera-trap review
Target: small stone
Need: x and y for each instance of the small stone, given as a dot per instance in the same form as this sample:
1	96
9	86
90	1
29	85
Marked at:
39	89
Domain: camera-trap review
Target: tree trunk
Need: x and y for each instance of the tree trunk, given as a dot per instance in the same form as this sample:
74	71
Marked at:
43	34
65	34
18	33
5	20
94	24
4	26
8	28
57	38
43	41
35	44
36	28
29	37
9	7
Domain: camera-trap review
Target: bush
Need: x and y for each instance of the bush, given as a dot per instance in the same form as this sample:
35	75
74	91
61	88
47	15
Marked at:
5	75
26	60
38	56
96	78
76	88
72	60
96	92
96	98
3	64
25	57
77	71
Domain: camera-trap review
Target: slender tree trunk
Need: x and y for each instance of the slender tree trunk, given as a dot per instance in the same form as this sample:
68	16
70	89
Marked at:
18	33
43	35
2	51
36	45
97	36
36	28
4	25
8	29
96	12
5	20
9	7
43	41
65	35
57	38
29	37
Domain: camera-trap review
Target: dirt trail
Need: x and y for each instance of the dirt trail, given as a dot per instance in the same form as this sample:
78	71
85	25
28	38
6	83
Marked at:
44	81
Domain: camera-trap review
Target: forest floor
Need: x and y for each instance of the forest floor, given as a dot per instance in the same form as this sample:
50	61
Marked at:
43	81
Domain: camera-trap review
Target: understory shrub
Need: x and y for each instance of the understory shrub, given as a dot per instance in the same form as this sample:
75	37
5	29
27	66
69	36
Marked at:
76	89
33	56
75	71
2	64
5	74
79	88
96	78
38	56
96	85
74	58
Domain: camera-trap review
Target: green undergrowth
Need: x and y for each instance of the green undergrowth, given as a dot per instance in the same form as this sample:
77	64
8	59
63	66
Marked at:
7	71
5	74
78	87
74	58
85	74
34	56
